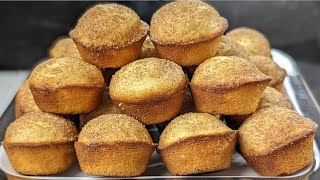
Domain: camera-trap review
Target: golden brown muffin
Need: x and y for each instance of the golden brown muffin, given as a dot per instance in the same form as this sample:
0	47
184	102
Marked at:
109	35
187	32
106	107
123	151
24	102
151	90
66	85
277	141
253	41
196	142
270	98
268	67
229	47
148	50
64	47
227	85
40	143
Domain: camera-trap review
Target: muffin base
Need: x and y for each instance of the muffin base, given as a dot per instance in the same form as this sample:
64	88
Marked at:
40	159
241	100
199	154
68	99
116	159
154	112
115	56
188	54
193	52
284	160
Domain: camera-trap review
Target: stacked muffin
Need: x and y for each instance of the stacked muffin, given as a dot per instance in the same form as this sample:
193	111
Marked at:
232	76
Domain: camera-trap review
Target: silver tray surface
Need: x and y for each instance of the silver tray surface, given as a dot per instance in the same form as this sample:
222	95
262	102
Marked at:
297	91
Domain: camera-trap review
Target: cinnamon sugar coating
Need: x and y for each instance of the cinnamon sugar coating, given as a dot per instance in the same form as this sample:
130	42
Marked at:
64	47
253	41
107	25
185	21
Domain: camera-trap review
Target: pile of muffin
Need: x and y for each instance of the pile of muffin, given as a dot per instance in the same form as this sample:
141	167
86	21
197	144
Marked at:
181	74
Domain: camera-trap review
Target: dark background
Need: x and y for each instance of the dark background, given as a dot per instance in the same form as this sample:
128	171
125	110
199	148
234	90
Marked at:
28	28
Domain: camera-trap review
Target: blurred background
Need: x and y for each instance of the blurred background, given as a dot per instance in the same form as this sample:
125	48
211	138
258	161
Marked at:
28	28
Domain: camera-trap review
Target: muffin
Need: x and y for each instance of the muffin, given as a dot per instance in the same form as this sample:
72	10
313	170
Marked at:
270	98
24	102
187	32
277	141
229	47
268	67
66	85
40	143
124	151
109	35
253	41
106	107
151	90
228	85
148	50
64	47
195	143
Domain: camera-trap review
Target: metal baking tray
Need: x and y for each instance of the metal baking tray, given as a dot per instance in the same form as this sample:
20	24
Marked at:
297	91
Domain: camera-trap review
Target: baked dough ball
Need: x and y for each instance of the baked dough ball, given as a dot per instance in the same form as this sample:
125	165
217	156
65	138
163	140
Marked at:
66	85
114	145
187	32
40	143
228	85
229	47
270	98
268	67
64	47
195	143
106	107
24	102
148	50
109	35
277	141
253	41
151	90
